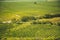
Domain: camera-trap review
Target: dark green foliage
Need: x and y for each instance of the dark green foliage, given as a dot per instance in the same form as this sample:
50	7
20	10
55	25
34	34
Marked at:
48	16
28	18
0	38
25	19
39	22
35	2
51	16
34	22
57	15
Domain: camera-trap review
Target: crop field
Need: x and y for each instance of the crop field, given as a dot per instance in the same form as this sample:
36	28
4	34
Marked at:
29	21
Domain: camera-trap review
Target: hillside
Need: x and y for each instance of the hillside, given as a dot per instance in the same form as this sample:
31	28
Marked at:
29	21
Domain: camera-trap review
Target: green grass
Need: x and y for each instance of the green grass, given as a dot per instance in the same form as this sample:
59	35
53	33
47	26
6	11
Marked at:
28	8
9	10
38	31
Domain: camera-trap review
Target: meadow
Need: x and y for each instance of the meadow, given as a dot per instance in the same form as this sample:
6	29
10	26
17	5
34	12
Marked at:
29	21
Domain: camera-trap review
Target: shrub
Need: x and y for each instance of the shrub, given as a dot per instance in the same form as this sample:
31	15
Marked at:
32	18
42	22
38	22
52	15
34	22
48	16
57	15
35	2
27	18
40	17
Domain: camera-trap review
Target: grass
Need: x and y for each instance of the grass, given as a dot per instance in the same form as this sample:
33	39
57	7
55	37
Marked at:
27	31
35	31
28	8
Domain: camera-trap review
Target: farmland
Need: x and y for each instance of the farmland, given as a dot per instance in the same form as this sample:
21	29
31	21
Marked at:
29	21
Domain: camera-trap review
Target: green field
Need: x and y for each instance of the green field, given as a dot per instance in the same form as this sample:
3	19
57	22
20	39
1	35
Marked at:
22	21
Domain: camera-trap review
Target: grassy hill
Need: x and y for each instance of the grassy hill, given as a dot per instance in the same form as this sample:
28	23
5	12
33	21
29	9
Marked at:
29	21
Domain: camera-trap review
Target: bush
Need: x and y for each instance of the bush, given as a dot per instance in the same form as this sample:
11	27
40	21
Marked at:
57	15
52	16
40	17
42	22
27	18
35	2
38	22
48	16
34	22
